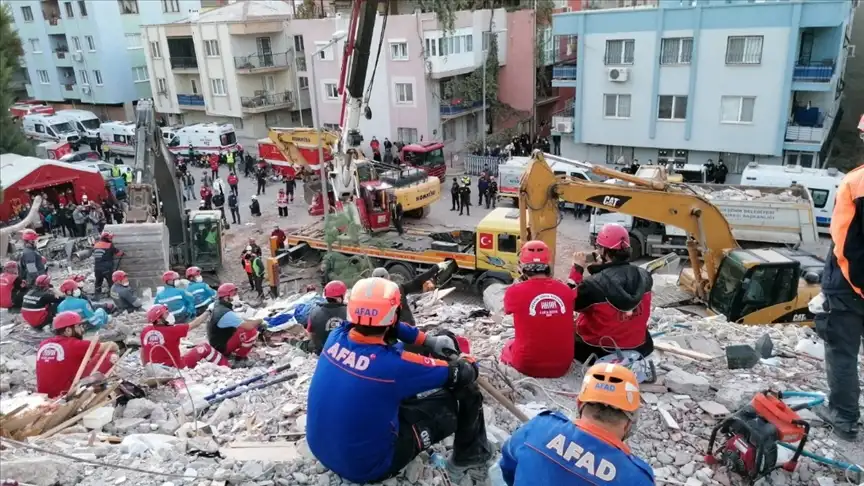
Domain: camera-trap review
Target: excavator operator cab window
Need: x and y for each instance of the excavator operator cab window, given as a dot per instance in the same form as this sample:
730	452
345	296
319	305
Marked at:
365	172
205	245
740	291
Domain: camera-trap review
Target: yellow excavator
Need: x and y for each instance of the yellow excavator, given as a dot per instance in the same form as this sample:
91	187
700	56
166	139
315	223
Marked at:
753	286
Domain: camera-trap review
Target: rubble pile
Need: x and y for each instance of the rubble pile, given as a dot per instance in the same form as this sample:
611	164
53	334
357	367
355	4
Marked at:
742	193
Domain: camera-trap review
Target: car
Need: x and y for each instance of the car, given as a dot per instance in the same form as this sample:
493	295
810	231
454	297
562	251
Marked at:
90	156
104	168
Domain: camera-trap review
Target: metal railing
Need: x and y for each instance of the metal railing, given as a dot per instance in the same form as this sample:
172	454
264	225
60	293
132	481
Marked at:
563	72
818	72
265	100
261	61
190	100
475	164
456	106
184	63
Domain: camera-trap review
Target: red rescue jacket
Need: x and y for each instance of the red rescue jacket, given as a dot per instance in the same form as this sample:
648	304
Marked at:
7	284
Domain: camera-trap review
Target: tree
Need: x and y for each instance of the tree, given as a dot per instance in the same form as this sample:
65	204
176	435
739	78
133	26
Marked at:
307	10
11	137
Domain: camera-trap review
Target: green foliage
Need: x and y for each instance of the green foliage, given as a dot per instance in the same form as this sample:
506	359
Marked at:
11	137
307	10
340	228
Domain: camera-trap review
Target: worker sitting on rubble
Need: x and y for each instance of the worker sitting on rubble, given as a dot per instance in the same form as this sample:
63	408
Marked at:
75	302
40	303
203	294
413	286
12	287
364	365
326	317
122	293
551	449
227	332
32	263
59	357
614	302
542	310
179	301
160	341
104	252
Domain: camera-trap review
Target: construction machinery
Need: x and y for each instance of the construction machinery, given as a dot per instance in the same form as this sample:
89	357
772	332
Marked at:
752	286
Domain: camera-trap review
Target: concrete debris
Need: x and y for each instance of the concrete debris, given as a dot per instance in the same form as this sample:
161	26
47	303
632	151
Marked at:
732	193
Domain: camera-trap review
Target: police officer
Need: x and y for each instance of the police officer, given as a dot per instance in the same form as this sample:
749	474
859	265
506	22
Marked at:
122	294
104	252
40	303
326	317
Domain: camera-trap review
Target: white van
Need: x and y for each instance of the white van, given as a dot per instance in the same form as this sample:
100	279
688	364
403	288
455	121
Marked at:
822	184
118	137
49	128
207	138
84	121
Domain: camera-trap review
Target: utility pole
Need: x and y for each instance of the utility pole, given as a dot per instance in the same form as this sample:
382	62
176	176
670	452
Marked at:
534	78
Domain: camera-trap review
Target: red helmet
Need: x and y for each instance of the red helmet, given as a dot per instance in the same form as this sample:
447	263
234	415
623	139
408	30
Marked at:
226	290
43	281
107	236
335	289
170	276
10	267
68	286
157	312
66	319
613	237
118	276
29	235
535	252
193	272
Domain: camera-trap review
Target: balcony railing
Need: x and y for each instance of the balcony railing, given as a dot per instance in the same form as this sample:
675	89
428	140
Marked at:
184	63
61	54
458	106
563	72
190	100
267	100
817	72
68	85
262	61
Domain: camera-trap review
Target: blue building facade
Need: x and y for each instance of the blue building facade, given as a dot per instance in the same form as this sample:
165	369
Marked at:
688	82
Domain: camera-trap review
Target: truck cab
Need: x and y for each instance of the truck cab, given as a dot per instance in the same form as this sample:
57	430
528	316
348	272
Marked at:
428	156
497	242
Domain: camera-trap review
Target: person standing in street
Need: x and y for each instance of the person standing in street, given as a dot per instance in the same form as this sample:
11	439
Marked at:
290	185
258	272
556	142
482	186
454	195
491	192
214	166
232	182
189	186
261	178
229	159
206	180
282	203
465	196
234	206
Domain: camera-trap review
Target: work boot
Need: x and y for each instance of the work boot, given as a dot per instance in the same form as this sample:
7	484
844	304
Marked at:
844	431
477	470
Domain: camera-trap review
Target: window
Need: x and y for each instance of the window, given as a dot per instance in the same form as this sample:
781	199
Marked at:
97	74
298	43
141	74
469	43
617	155
737	109
303	81
128	7
804	159
133	41
330	91
676	51
35	47
736	163
27	13
471	125
193	84
744	49
617	106
672	108
40	128
43	76
675	157
301	63
820	198
332	127
487	39
76	43
620	51
507	243
70	12
211	48
161	85
170	6
406	135
82	6
155	50
399	51
431	47
120	138
218	87
84	78
449	129
324	54
404	93
91	44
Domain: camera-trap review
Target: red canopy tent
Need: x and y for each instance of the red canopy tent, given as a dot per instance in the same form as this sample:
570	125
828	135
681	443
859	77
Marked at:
20	175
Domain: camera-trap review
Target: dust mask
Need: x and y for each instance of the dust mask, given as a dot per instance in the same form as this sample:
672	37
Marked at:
235	299
170	319
199	279
76	293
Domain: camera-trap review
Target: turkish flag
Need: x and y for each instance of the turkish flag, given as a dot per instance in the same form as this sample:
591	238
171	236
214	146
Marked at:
485	240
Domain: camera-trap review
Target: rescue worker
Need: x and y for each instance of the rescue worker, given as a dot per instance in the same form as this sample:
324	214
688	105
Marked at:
492	193
282	203
122	294
542	310
74	302
258	271
31	264
255	247
12	287
326	316
104	252
40	304
227	332
229	160
614	302
413	286
255	206
279	235
160	341
203	294
246	260
290	186
207	196
364	366
59	357
179	302
234	206
552	449
232	183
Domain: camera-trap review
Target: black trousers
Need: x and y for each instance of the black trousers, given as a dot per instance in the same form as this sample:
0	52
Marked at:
465	204
234	189
842	329
101	275
258	285
261	184
283	211
456	205
251	280
583	350
235	215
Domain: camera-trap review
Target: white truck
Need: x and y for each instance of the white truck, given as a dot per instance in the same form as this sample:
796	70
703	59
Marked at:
510	173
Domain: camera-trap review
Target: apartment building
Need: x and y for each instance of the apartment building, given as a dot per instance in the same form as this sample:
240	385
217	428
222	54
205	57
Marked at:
685	82
89	53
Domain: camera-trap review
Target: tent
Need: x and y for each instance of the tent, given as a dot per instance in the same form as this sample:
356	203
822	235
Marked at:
19	175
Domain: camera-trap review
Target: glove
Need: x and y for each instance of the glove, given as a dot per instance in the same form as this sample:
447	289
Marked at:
463	372
443	265
441	346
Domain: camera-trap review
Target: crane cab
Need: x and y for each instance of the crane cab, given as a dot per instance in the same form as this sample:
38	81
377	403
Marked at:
766	286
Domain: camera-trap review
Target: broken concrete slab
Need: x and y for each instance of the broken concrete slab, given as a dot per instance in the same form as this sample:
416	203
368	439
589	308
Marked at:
282	451
713	408
98	418
680	381
741	356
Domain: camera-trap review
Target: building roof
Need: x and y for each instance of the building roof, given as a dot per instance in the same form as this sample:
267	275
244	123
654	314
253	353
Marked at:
251	10
15	167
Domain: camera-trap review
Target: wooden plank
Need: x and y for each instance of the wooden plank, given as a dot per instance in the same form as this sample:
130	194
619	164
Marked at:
688	353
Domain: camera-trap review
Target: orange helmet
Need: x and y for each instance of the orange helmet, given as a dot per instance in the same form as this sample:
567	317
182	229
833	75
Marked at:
610	384
374	302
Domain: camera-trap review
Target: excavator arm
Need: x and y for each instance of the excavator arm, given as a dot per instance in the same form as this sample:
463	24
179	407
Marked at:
300	145
541	190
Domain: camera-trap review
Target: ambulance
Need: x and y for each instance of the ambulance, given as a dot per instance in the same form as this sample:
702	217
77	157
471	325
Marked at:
84	121
118	137
50	128
19	110
822	184
203	138
53	150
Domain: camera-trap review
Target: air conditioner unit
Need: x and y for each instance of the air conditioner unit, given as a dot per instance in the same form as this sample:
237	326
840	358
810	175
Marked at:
850	51
617	75
562	124
85	89
78	56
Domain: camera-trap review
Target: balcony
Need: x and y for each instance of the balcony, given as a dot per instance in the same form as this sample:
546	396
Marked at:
184	64
190	101
261	63
53	23
458	107
63	58
563	76
810	127
814	72
266	102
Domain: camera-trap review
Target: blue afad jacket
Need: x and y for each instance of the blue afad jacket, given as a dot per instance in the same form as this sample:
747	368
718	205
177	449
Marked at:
550	449
96	319
179	302
202	293
354	398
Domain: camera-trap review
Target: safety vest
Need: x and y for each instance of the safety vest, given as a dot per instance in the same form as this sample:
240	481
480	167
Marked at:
230	158
115	171
282	200
247	265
